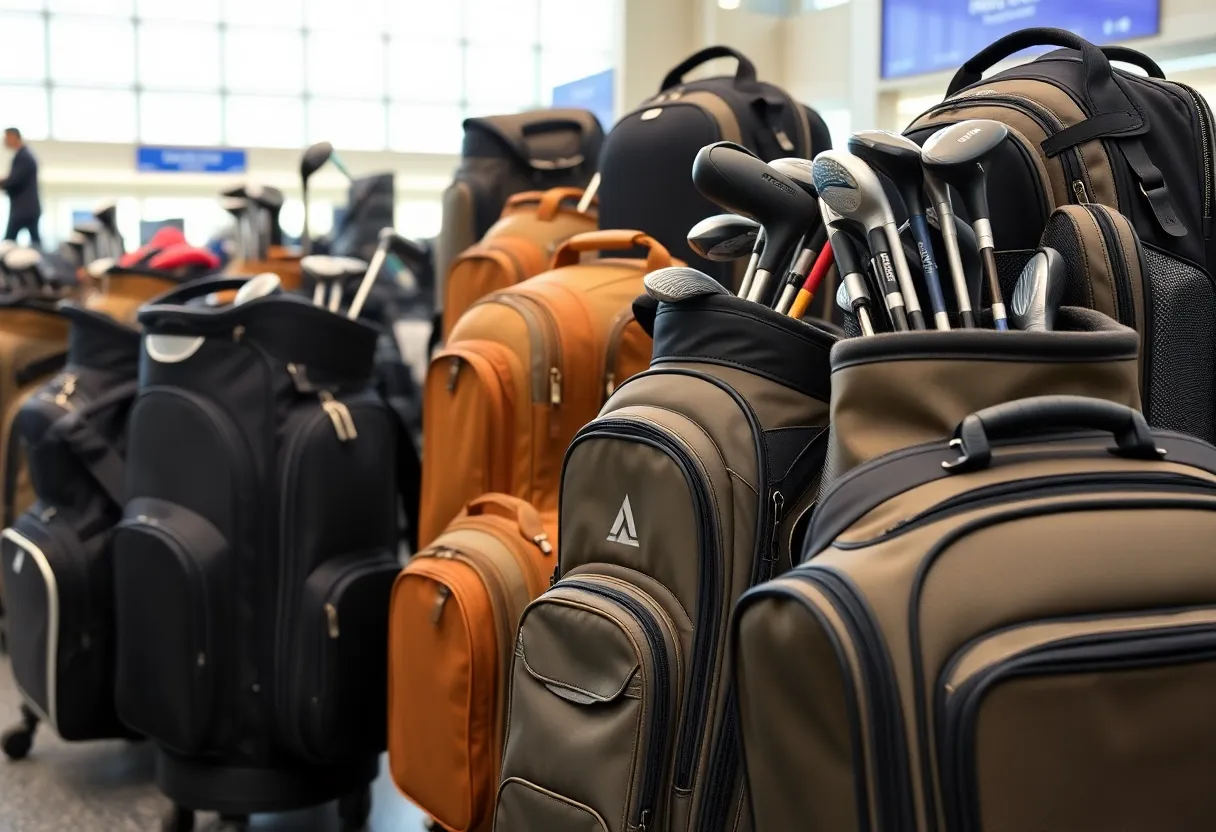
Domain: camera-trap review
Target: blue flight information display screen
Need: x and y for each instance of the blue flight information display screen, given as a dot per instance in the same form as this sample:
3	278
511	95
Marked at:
920	36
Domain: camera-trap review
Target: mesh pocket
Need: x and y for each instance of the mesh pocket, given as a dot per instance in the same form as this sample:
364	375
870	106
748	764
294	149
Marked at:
1182	364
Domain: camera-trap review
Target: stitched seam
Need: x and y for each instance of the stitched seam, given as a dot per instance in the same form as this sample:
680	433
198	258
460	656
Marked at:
740	478
1110	271
1089	288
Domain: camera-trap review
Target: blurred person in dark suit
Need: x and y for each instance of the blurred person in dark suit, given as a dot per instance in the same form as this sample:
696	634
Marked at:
22	186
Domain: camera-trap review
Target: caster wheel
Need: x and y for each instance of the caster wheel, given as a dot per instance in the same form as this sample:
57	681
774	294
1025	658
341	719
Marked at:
355	809
178	819
16	742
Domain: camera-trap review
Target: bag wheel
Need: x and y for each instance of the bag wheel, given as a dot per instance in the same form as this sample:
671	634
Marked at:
355	809
178	819
17	741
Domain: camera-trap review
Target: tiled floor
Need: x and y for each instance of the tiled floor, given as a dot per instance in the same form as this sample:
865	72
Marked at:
108	787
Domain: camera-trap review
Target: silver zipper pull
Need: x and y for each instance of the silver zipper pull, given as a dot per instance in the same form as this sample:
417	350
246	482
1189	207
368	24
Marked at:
334	410
609	384
238	333
66	389
441	598
542	543
643	821
774	548
555	386
331	620
453	374
1078	188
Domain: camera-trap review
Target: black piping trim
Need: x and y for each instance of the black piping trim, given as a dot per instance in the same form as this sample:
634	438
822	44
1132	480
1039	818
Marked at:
988	345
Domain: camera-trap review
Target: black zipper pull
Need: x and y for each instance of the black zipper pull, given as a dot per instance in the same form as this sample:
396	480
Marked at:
774	546
554	577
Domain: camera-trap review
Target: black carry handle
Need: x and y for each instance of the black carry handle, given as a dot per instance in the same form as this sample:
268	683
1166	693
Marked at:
1043	414
1130	56
745	74
1097	67
550	125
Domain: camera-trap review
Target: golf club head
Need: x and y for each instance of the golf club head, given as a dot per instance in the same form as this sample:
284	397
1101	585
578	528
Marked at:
842	298
98	268
1039	291
678	283
264	195
799	172
235	205
107	214
896	157
313	158
851	189
724	237
957	154
322	267
742	183
260	286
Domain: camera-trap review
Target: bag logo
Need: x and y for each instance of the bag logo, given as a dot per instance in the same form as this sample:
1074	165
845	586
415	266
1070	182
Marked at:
969	134
624	531
18	561
777	183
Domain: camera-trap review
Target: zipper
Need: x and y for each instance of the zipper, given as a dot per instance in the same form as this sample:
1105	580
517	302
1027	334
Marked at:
1094	653
661	715
709	591
546	345
616	335
1034	488
1073	161
339	415
888	748
12	466
492	579
774	545
453	373
1205	135
1126	312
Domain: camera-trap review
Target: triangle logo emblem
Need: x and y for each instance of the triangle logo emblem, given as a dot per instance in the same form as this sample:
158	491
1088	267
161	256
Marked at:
623	529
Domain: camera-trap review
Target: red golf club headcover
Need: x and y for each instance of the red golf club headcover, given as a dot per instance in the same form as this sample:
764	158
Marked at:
163	238
184	257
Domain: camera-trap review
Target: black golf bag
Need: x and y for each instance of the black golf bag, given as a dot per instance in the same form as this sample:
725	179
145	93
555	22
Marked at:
56	557
256	553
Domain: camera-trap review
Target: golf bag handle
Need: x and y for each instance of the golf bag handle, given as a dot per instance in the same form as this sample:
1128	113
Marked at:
746	73
657	256
523	514
548	203
1104	93
974	435
1124	55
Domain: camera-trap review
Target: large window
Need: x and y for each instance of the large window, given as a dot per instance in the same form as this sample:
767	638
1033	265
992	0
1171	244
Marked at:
365	74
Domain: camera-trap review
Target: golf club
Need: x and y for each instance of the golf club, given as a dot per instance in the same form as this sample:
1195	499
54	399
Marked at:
268	203
89	229
749	273
390	243
238	207
724	237
851	296
312	160
1040	289
588	197
809	257
957	154
676	283
266	283
806	292
75	243
939	195
742	183
329	275
109	241
898	159
24	264
848	186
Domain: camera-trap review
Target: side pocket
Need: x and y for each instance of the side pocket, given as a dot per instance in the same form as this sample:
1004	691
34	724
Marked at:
593	702
339	675
1181	359
524	805
172	598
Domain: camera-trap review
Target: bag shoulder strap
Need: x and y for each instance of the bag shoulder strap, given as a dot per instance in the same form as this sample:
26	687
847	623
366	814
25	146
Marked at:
98	456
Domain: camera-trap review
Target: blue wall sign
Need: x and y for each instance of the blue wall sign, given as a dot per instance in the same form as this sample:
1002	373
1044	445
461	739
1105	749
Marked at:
190	160
594	93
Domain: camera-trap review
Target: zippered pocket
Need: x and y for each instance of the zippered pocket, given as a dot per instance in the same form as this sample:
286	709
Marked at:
623	353
478	272
1207	159
173	601
469	385
1101	722
338	678
545	345
594	698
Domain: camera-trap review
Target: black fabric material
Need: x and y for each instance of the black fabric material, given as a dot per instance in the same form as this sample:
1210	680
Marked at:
647	158
1154	132
22	187
537	150
723	329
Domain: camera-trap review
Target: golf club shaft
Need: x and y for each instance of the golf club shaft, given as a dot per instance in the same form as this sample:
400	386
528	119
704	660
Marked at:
907	288
365	285
987	246
335	295
958	275
749	274
589	194
806	293
318	294
305	235
920	232
859	300
885	270
863	320
789	290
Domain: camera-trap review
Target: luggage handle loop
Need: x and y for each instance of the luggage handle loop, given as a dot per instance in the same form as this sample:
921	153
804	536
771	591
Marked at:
521	513
657	256
974	435
552	199
1124	55
744	75
1099	81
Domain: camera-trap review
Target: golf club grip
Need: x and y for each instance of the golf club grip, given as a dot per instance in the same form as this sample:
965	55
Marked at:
1047	413
988	258
746	71
657	256
928	261
884	268
823	263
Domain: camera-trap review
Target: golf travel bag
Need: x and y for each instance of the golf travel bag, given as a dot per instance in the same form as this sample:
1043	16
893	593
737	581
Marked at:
647	156
1005	618
256	553
451	642
520	245
509	154
690	487
524	369
1083	131
56	556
